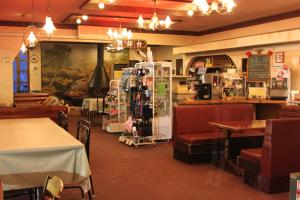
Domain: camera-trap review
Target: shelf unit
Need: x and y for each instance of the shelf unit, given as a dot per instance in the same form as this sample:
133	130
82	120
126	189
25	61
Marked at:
159	88
115	109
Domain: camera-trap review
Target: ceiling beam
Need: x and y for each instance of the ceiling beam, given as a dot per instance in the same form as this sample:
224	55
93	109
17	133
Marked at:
135	9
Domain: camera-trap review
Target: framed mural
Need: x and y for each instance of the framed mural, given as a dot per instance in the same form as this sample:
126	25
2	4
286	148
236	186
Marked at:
67	67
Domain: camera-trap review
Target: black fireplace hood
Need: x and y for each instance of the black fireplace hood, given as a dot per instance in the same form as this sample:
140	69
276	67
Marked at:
99	83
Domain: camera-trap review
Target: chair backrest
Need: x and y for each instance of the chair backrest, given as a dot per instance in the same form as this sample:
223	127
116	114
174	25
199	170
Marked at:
281	148
63	120
84	122
52	188
83	135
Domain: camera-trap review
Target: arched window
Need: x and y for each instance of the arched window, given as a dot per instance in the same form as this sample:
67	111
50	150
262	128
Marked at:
21	73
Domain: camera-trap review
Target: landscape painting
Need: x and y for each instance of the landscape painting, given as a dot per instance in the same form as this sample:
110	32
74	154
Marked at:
68	67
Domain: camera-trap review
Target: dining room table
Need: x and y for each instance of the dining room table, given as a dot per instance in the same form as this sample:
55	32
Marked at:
236	127
32	149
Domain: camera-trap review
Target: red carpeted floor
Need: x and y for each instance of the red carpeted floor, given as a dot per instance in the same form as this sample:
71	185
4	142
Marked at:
149	173
128	173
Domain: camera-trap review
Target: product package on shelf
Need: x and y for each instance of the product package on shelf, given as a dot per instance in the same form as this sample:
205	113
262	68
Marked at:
149	106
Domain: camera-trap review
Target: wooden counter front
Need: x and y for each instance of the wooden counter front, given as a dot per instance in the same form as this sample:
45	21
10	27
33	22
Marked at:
264	109
251	101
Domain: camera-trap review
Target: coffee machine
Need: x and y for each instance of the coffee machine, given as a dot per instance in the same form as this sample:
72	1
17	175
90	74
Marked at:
204	91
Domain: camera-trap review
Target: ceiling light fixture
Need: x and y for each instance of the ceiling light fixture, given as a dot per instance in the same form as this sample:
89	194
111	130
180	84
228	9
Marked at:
84	17
155	23
78	21
119	38
49	26
32	39
23	47
190	12
218	6
101	5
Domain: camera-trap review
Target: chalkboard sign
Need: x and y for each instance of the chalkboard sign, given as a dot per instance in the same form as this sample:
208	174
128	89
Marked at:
258	69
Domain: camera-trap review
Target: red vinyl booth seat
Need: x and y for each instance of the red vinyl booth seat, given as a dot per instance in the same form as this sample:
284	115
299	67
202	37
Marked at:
194	140
269	168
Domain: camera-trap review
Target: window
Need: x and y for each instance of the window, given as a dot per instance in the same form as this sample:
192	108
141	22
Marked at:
21	73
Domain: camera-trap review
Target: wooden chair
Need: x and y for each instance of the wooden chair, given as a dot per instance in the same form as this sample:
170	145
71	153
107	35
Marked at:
83	135
63	120
52	188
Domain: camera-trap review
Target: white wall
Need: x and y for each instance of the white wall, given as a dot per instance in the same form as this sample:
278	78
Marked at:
9	48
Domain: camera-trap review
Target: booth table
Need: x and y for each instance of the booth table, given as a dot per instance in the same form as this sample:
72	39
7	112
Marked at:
236	127
32	148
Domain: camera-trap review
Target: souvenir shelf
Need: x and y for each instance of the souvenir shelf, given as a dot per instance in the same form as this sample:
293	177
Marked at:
150	104
115	109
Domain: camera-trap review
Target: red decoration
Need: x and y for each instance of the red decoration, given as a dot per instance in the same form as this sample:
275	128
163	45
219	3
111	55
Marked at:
248	54
285	67
270	53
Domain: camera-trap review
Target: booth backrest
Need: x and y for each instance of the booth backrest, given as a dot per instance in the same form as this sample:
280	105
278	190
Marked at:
289	112
195	118
32	112
281	147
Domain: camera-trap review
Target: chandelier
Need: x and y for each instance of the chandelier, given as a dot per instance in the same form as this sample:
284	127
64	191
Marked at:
49	26
155	23
23	46
119	38
218	6
32	39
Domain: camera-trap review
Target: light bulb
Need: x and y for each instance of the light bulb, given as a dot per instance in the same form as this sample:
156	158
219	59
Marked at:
140	21
32	39
110	33
115	34
168	22
203	6
214	6
124	32
129	35
23	48
190	13
84	17
78	21
101	5
49	26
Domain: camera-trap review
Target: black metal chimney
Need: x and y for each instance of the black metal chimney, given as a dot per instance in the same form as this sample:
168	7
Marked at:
99	83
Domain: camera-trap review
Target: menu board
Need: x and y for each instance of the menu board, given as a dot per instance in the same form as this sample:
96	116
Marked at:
258	68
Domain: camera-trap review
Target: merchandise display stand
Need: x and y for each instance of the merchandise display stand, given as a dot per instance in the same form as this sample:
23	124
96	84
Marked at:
149	88
115	109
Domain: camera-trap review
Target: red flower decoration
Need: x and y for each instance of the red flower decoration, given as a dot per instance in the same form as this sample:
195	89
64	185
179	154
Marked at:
248	54
270	53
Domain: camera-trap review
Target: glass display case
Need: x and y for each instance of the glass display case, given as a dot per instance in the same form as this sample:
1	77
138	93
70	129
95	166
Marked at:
115	109
150	104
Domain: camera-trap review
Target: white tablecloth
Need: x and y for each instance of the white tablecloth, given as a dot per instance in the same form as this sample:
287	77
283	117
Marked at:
91	104
31	149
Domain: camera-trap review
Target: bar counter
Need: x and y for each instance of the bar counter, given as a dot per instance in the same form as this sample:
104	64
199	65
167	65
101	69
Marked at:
264	109
236	101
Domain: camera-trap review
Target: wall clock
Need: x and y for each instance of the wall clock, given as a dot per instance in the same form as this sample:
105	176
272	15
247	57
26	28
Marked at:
34	58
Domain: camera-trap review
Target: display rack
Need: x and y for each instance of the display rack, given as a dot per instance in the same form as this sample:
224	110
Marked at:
115	109
151	94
